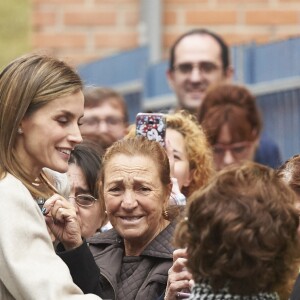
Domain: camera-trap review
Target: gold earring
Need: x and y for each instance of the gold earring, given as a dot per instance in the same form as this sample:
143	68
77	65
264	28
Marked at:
20	131
165	214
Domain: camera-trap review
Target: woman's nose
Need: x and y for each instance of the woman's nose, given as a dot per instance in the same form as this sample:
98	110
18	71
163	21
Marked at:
129	200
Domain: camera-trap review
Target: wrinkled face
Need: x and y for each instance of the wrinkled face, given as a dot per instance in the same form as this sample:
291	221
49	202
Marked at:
135	198
227	152
181	162
49	134
105	122
197	65
90	217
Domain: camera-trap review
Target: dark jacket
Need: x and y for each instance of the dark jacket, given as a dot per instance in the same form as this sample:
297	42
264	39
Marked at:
267	152
83	269
149	279
296	291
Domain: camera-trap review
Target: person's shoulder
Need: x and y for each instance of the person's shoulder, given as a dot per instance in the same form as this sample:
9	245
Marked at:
11	184
267	142
268	152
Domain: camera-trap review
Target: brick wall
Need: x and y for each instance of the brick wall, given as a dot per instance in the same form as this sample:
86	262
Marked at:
82	30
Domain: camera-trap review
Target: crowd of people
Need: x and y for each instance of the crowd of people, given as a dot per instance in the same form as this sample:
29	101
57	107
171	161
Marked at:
89	210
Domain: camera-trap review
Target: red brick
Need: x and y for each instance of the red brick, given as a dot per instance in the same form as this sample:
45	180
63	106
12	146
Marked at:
131	18
185	1
243	1
42	18
211	17
272	17
116	40
58	2
169	39
59	40
75	59
236	39
93	18
170	18
117	2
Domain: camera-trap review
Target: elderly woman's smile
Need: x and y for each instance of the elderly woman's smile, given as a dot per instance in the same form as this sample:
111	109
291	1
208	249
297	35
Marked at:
135	198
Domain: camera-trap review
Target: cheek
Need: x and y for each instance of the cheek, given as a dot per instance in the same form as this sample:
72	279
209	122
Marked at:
181	169
112	204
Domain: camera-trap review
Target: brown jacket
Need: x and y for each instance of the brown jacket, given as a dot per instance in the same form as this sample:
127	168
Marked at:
150	278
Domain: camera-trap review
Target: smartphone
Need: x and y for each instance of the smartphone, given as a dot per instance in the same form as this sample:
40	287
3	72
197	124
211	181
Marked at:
152	126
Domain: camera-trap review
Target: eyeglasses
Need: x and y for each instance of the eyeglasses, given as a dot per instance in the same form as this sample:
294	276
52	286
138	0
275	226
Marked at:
109	121
238	150
203	67
84	200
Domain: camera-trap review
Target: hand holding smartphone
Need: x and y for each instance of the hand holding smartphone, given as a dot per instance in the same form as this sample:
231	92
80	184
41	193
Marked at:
152	126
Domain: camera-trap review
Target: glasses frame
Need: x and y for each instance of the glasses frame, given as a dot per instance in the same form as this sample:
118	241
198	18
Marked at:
86	195
230	147
205	67
93	122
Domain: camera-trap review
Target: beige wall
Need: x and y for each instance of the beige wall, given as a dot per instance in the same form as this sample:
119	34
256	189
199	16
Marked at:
82	30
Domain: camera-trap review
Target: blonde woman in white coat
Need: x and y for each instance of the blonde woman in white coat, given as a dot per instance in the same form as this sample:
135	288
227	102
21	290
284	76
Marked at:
41	104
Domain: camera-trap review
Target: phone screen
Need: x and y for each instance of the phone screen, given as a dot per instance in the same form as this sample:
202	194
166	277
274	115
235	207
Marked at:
152	126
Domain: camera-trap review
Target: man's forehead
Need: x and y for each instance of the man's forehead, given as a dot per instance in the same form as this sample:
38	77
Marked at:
198	47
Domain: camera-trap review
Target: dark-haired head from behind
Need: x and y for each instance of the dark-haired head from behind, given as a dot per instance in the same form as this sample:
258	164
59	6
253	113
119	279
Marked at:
241	231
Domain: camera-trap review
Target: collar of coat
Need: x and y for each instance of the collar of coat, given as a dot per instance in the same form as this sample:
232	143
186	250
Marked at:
159	247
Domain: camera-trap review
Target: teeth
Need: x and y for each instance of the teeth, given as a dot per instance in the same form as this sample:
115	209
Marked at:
66	151
131	218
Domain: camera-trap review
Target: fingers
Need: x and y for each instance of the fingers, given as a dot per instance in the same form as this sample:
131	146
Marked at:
178	271
58	209
179	278
54	202
179	253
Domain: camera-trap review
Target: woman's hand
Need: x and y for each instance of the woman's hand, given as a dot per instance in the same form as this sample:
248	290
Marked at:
61	219
179	279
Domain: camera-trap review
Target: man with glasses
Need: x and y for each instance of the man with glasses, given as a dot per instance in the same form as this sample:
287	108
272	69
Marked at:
199	59
105	116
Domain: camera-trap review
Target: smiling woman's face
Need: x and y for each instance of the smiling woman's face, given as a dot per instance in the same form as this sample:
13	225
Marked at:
49	134
181	163
135	199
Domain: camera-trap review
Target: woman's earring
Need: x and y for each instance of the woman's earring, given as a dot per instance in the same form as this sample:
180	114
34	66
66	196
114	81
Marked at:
20	131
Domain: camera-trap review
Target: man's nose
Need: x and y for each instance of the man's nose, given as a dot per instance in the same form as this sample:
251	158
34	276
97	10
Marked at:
103	127
196	74
228	158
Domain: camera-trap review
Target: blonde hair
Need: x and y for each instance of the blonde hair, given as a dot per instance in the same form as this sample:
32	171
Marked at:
26	84
197	147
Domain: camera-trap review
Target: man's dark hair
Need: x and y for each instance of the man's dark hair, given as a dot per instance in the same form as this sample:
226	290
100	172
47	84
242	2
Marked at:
202	31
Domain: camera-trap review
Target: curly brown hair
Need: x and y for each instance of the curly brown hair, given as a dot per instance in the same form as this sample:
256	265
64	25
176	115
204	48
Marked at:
289	171
241	231
198	150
